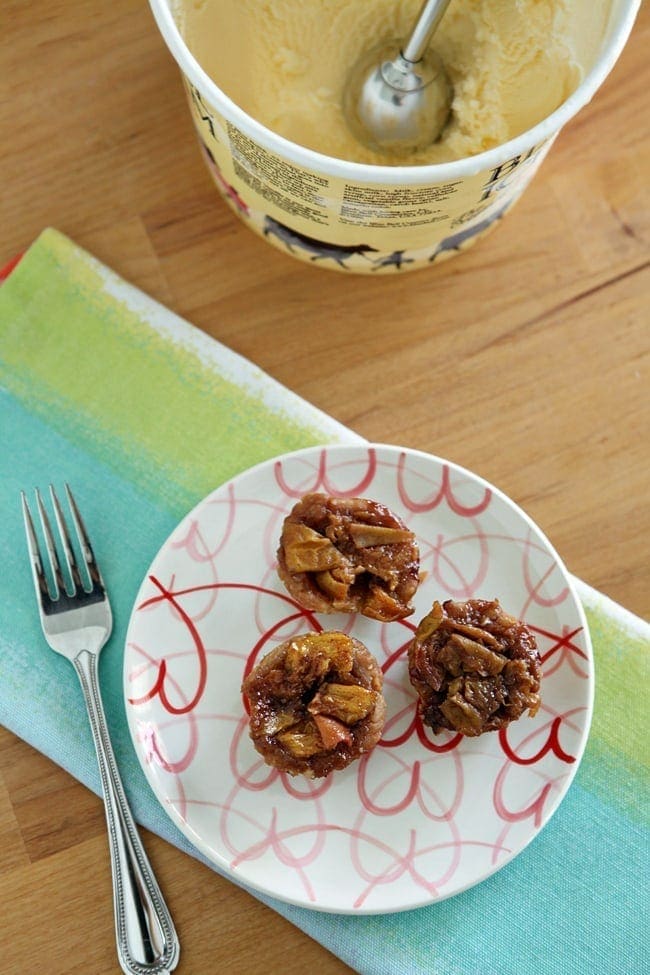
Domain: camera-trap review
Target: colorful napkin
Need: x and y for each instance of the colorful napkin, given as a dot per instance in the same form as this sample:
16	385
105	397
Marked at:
144	415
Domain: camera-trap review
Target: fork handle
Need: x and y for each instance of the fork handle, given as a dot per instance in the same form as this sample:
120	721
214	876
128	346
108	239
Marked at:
147	943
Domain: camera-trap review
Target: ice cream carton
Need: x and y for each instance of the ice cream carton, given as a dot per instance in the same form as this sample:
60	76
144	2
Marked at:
372	219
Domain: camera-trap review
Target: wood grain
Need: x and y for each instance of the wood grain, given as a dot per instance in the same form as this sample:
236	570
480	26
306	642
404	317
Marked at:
525	359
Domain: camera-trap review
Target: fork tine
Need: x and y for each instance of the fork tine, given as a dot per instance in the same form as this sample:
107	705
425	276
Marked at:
84	542
66	546
40	581
59	584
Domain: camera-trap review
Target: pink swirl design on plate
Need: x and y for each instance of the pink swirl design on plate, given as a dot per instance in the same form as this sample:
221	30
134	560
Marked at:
444	493
158	687
322	479
551	746
195	544
565	650
535	588
462	586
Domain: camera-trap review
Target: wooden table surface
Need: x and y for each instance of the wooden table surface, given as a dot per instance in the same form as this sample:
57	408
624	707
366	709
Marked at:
525	360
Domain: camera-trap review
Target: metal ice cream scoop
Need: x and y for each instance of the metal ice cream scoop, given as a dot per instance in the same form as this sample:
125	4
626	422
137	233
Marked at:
398	96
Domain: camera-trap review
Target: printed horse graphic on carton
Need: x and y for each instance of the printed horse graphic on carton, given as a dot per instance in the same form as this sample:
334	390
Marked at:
319	249
455	241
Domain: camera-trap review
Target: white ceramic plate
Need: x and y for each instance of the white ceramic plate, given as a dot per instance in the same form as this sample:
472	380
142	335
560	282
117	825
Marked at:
422	817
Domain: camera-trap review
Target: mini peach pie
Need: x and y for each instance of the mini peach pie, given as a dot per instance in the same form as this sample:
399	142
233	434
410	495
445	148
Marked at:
475	668
315	703
349	555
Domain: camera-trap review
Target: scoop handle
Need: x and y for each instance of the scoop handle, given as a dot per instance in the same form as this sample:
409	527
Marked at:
431	13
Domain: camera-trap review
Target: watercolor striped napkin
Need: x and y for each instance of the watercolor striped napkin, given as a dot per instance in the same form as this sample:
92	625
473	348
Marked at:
144	415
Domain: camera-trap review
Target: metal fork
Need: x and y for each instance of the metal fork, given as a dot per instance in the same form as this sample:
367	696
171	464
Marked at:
77	621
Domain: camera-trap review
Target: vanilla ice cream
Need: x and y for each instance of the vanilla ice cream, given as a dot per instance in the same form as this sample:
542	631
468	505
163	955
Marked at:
285	62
